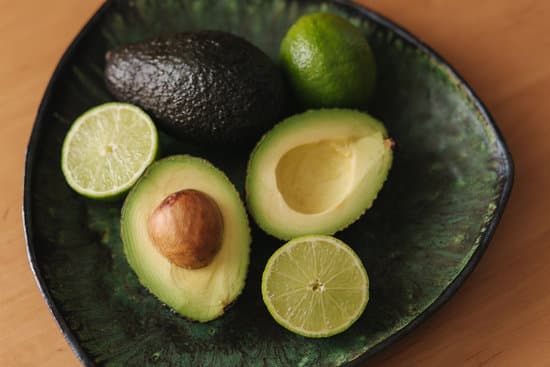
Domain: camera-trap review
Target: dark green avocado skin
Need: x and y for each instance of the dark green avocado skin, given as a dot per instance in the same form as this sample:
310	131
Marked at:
208	86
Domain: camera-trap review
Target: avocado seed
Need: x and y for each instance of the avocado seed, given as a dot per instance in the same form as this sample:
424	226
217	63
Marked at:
187	228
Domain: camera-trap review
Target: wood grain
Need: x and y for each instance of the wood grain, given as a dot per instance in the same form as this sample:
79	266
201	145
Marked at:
501	47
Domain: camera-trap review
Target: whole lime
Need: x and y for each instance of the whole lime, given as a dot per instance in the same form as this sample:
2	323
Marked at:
328	62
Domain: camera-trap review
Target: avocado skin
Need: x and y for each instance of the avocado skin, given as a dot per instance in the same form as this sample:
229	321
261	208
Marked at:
209	86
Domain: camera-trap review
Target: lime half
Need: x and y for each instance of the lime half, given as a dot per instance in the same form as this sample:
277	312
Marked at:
315	286
107	149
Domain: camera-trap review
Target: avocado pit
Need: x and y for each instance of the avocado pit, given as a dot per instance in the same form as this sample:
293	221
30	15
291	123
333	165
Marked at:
187	228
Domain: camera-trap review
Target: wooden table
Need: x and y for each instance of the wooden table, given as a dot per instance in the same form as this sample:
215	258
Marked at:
500	317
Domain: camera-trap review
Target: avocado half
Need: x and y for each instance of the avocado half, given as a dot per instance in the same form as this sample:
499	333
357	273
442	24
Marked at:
317	172
199	294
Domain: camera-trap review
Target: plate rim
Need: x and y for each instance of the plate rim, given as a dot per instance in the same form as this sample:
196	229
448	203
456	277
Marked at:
408	37
30	154
504	195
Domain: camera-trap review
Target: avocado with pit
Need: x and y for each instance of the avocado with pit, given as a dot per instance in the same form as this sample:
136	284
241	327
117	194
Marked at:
317	172
186	235
212	87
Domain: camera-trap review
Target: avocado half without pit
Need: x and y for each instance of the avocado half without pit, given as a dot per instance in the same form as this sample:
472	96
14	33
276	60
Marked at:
317	172
186	235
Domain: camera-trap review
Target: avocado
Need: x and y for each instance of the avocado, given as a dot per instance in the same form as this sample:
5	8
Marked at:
186	235
209	86
317	172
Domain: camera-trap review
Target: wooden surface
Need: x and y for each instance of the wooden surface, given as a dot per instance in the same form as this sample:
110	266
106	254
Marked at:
500	317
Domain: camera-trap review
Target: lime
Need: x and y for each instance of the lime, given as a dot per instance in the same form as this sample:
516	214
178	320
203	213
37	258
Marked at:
328	62
315	286
107	149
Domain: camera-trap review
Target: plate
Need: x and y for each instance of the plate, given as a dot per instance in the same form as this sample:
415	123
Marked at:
450	181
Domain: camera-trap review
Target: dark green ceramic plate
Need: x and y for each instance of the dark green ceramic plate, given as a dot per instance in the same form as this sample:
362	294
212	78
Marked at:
429	227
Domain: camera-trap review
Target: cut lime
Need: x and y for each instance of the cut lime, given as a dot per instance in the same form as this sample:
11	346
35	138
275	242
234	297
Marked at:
315	286
107	149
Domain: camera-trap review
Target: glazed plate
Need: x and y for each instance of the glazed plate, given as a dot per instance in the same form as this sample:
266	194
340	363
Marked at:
425	233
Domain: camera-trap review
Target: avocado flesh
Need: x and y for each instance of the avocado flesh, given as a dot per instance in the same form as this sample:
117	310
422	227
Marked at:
211	87
199	294
317	172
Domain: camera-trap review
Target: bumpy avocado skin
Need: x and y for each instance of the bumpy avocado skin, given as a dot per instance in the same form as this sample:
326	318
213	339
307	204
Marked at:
209	86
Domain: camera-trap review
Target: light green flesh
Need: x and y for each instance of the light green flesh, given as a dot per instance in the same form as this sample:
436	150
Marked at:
315	286
107	149
200	294
316	173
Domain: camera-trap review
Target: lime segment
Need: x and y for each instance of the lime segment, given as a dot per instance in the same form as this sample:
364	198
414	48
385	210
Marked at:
315	286
107	149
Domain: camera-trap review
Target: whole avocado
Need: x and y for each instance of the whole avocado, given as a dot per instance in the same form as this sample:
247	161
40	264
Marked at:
209	86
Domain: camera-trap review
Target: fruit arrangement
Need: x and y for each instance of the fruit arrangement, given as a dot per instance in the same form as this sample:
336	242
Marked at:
316	167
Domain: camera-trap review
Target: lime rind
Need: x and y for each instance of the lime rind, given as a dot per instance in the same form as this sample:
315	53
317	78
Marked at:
363	283
328	62
74	132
